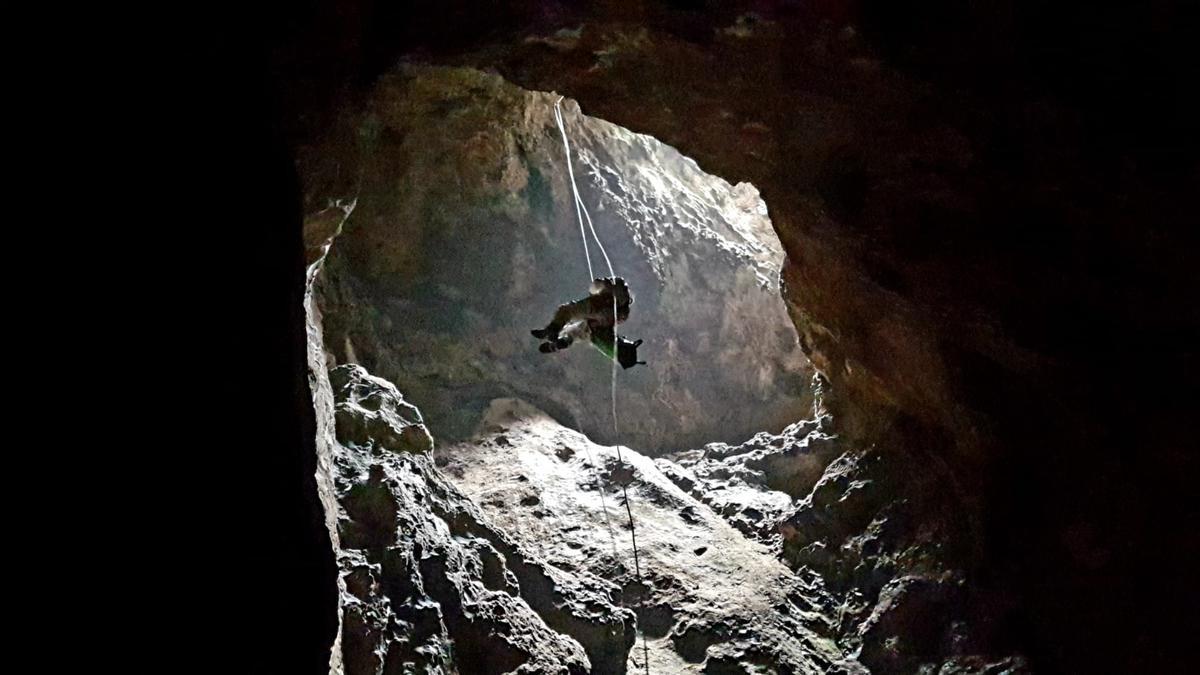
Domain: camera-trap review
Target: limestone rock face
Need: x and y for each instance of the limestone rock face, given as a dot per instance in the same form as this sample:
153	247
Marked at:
464	237
429	584
990	272
883	535
805	550
986	227
511	552
709	599
756	484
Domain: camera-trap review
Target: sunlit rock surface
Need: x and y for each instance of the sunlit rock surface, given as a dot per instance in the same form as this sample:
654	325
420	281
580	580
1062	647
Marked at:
756	484
713	600
464	237
882	534
510	552
429	585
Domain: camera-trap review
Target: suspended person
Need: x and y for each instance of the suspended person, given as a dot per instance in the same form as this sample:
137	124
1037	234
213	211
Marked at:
592	318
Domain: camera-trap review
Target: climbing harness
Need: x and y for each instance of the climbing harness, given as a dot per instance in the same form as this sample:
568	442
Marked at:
581	214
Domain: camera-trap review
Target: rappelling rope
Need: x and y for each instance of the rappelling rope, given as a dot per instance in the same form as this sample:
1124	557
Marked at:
581	213
575	191
581	209
578	214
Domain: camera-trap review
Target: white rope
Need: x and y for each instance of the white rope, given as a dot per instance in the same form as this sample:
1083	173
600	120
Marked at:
612	538
578	202
581	210
581	213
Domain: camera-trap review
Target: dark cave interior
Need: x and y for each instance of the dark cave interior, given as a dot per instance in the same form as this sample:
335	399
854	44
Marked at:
1037	326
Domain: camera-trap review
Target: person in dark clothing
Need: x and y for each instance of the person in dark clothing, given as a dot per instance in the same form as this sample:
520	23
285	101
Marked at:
594	318
596	309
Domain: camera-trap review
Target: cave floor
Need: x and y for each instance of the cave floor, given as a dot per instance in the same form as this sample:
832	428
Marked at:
712	596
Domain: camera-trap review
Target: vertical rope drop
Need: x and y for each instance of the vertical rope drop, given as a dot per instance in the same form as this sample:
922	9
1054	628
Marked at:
581	213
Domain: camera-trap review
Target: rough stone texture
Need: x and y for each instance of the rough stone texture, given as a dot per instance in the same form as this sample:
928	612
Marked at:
756	484
885	540
986	210
464	237
712	600
850	520
873	527
985	231
428	584
319	232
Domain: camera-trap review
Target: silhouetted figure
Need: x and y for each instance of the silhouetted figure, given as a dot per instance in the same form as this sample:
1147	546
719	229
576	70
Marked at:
592	318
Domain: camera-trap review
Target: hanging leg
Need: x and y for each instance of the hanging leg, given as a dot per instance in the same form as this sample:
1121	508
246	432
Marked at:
555	345
565	314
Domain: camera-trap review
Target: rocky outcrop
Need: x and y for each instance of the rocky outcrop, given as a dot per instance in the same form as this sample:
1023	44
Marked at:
708	598
986	227
982	260
859	518
428	583
755	484
894	548
463	238
849	521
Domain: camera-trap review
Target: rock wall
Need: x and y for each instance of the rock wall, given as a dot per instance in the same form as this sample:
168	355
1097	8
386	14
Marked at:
401	283
463	238
986	222
708	599
427	583
982	231
891	547
420	286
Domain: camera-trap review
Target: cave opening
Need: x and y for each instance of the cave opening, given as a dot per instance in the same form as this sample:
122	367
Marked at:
462	238
977	216
428	270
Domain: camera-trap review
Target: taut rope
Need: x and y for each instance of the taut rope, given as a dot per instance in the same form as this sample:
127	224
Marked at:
581	213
